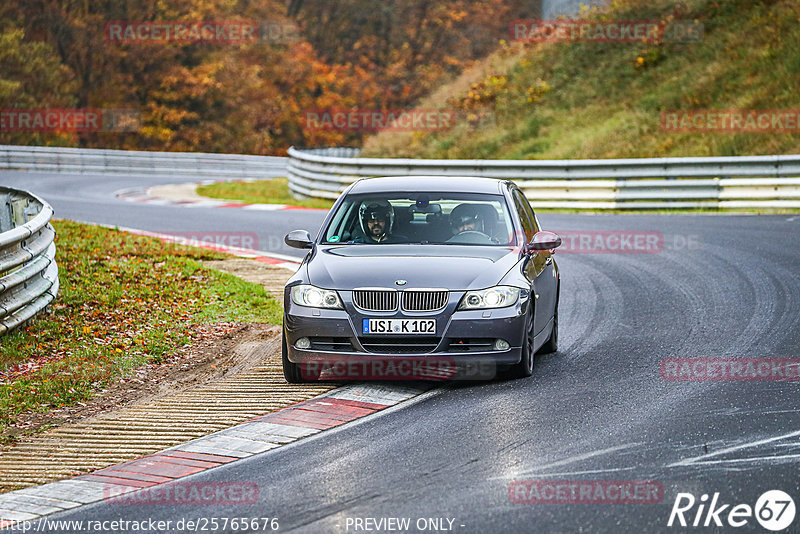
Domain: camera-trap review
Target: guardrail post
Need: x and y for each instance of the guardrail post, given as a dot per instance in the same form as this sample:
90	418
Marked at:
18	215
6	219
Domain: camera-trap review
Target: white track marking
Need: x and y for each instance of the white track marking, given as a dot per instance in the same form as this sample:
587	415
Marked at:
590	472
769	459
702	458
571	460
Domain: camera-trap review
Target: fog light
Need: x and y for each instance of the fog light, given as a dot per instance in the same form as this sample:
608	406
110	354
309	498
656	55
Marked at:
303	343
501	344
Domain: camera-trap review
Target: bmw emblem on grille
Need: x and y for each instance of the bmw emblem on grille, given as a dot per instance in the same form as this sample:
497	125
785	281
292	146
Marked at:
400	282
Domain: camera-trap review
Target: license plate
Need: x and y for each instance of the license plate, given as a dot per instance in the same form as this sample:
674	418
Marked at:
399	326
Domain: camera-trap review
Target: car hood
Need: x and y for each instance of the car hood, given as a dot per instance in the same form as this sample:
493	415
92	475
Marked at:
431	266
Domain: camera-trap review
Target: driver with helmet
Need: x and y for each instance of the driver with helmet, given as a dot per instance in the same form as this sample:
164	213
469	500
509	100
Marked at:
376	218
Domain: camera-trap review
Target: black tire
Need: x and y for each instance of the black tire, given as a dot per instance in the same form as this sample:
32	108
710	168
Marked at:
524	368
551	345
291	371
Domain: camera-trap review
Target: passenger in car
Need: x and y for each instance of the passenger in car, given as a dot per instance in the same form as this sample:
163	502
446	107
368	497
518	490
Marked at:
475	219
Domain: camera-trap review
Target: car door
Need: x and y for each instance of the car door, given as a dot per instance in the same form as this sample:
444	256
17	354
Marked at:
539	268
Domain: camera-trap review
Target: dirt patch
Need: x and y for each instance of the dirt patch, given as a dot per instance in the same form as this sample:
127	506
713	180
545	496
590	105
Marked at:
176	192
228	375
220	350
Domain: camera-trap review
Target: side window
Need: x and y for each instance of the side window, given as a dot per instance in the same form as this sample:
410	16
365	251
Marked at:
341	226
527	207
525	214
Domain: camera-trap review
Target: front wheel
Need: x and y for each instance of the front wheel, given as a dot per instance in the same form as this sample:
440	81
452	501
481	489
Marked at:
551	345
524	368
291	371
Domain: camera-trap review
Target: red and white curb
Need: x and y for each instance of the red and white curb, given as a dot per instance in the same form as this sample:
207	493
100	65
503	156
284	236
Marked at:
272	258
261	434
141	195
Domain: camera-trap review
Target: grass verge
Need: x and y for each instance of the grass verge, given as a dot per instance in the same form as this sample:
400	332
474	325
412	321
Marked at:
125	301
275	191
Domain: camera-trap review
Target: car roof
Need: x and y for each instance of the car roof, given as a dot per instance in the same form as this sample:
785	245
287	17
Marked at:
416	184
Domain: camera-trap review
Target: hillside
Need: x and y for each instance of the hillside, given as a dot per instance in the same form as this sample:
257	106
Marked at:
605	100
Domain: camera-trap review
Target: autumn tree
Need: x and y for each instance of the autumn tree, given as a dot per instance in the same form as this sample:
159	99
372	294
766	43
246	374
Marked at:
248	97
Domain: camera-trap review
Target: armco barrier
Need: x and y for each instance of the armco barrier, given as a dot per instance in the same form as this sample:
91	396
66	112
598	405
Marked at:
28	270
752	182
137	162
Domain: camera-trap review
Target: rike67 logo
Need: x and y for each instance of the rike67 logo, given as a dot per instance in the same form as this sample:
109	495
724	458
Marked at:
774	510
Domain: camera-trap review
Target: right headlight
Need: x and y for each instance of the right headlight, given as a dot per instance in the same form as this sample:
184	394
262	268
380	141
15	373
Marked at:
315	297
494	297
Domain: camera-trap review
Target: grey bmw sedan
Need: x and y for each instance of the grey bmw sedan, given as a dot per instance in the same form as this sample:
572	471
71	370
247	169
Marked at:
422	277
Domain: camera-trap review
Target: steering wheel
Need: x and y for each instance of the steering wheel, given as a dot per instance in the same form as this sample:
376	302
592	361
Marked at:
472	237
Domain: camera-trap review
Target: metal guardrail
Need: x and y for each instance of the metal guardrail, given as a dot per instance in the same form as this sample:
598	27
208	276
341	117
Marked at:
28	270
752	182
136	162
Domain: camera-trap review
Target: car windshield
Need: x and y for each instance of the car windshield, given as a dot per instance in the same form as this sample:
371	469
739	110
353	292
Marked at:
426	218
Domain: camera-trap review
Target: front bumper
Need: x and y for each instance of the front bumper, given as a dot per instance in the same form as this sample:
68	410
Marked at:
461	338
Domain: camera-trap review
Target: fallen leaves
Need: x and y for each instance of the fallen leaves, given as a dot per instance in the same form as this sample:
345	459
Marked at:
127	305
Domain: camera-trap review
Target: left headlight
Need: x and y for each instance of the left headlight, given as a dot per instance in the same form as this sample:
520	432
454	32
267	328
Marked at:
494	297
315	297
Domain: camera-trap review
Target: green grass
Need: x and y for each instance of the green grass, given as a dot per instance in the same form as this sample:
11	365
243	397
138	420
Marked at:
125	301
604	100
275	191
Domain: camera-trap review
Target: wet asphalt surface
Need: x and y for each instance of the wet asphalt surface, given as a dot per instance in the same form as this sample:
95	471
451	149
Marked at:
599	409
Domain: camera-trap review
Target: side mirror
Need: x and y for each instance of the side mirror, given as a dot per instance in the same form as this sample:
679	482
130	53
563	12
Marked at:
299	239
544	241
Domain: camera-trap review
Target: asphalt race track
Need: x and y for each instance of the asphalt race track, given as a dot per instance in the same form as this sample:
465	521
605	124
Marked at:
92	198
719	286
